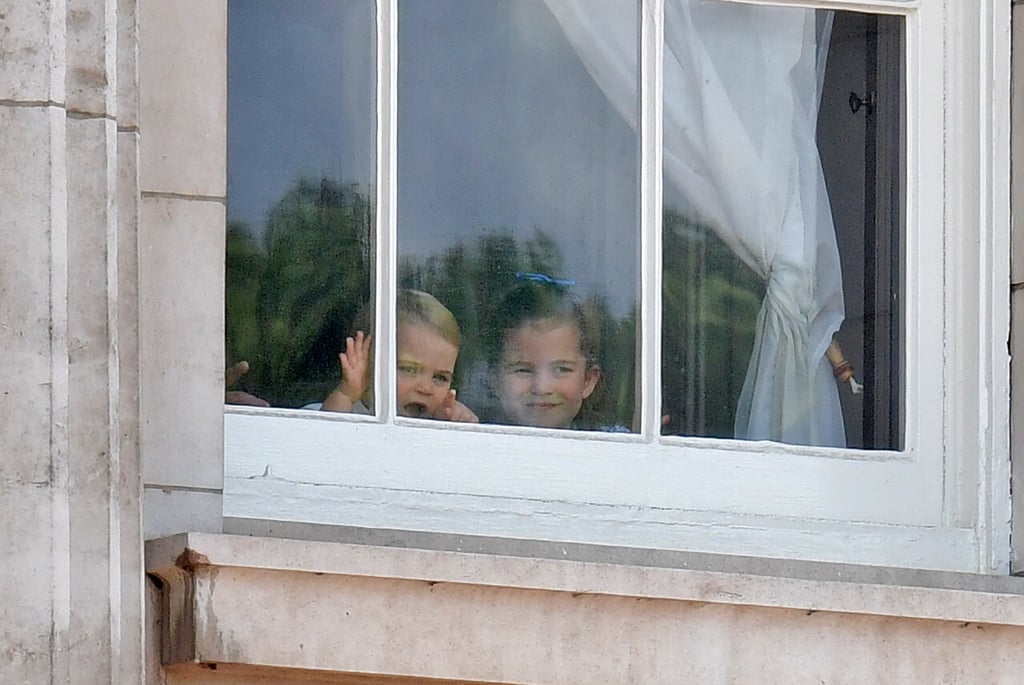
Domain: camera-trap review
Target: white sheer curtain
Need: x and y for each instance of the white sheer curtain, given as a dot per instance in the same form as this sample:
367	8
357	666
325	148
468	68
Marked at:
742	87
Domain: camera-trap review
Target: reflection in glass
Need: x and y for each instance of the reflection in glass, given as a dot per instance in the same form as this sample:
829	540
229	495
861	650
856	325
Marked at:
299	203
517	209
782	225
748	216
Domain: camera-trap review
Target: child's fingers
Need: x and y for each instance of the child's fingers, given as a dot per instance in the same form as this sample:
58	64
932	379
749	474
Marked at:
453	410
348	366
448	405
235	372
461	412
355	351
358	348
355	369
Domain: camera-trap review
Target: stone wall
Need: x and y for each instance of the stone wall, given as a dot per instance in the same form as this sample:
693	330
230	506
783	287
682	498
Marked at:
71	593
110	349
236	609
182	175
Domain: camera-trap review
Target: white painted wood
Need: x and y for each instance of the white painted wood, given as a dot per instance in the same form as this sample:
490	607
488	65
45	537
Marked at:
872	6
993	484
652	46
942	502
386	261
276	498
705	475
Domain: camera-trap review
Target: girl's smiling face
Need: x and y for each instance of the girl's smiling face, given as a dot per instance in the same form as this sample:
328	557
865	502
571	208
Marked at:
426	362
544	375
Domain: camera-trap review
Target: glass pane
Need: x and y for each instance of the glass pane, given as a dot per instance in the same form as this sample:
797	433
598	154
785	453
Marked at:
517	211
301	127
783	222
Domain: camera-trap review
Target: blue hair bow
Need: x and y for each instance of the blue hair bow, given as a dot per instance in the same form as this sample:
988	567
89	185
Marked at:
542	278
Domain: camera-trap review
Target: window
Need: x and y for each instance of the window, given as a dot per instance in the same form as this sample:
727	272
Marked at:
300	176
560	175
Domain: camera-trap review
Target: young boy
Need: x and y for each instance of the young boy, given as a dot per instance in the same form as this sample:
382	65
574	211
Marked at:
428	345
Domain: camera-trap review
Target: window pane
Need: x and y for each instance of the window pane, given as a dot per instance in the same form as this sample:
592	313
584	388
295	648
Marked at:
300	179
782	225
517	210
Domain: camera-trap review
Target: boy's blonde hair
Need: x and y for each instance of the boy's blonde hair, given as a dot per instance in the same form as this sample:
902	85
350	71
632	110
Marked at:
418	307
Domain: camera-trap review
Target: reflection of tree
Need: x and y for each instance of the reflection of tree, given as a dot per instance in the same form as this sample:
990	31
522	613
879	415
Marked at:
293	297
473	279
245	265
709	313
292	300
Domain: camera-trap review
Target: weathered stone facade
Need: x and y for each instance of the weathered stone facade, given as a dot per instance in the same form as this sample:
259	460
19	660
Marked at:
112	184
71	480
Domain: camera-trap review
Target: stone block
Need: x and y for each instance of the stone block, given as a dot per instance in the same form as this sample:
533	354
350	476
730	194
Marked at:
405	615
32	51
89	551
169	512
183	96
128	297
92	345
91	163
131	648
181	339
27	584
127	65
31	230
91	71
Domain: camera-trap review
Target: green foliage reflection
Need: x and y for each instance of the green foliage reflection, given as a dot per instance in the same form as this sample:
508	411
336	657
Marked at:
295	289
291	298
472	280
710	302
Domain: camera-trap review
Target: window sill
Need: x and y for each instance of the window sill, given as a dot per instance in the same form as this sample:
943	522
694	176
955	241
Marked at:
545	612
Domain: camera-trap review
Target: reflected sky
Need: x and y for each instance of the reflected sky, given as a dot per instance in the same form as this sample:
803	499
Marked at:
300	99
500	127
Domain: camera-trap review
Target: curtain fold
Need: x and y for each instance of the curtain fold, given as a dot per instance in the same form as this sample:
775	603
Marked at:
742	85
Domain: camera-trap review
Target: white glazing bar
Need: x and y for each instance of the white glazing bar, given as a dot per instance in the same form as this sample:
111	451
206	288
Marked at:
918	176
652	22
385	348
867	6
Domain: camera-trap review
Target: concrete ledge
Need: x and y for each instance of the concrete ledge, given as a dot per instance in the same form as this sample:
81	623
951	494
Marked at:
335	611
649	574
629	556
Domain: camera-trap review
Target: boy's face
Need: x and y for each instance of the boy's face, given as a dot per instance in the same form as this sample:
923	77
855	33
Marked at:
425	365
544	375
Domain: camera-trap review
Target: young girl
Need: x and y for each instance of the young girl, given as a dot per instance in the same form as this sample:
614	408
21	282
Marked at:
428	345
548	364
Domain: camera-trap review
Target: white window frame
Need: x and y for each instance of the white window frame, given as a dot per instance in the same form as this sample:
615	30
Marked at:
942	502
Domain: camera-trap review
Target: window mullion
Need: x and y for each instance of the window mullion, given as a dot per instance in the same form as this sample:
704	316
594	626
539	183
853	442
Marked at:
651	87
386	253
